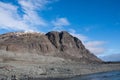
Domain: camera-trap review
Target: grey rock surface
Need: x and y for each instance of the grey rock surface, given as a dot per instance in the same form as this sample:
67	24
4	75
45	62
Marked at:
59	44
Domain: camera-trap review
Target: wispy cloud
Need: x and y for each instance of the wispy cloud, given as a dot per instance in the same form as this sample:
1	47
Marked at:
59	23
111	54
111	57
95	47
80	36
10	18
30	14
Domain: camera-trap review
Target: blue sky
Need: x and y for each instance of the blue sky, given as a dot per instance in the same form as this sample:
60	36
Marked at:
95	22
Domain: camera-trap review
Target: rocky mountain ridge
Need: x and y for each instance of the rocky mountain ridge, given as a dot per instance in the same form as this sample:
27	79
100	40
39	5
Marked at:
57	44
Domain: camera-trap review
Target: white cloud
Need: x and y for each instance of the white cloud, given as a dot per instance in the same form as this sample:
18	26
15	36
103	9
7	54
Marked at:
29	7
80	36
60	22
111	54
33	4
111	57
95	47
94	43
11	19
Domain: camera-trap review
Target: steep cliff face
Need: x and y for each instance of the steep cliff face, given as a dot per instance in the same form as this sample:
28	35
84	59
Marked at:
70	47
59	44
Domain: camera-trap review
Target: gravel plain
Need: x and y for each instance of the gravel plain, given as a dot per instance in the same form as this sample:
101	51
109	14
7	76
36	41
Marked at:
36	67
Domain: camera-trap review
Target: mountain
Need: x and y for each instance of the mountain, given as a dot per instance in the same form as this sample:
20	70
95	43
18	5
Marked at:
56	44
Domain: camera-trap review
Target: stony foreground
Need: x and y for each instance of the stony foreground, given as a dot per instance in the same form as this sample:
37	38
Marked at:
23	71
33	67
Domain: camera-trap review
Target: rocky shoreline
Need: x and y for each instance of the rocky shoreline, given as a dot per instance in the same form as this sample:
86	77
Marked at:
52	71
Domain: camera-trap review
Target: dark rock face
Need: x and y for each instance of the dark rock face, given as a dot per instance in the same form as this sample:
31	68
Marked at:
60	44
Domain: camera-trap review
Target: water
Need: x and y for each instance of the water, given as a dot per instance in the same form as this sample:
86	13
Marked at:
114	75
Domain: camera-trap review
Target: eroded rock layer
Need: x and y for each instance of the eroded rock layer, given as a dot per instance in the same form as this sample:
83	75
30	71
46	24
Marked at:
58	44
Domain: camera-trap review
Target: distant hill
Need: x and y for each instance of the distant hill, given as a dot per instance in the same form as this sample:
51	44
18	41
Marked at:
57	44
